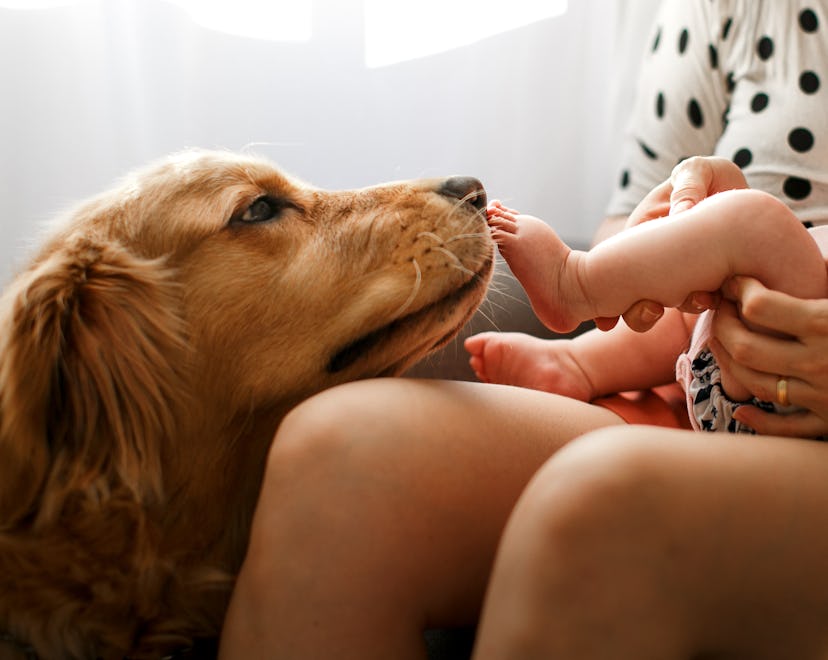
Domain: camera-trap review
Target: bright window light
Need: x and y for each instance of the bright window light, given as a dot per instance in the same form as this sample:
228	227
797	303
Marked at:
396	31
274	20
36	4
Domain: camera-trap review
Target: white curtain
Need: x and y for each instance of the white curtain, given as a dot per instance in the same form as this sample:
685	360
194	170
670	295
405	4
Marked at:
90	90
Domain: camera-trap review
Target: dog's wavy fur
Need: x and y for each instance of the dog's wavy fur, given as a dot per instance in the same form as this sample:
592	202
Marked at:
147	355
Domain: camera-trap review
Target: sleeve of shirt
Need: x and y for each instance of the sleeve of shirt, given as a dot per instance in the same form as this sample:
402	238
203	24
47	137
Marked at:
681	99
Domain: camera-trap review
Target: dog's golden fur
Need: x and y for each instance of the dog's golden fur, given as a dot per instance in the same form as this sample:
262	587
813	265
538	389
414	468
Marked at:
147	355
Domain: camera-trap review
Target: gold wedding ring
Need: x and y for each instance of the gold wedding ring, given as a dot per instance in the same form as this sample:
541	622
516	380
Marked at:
782	391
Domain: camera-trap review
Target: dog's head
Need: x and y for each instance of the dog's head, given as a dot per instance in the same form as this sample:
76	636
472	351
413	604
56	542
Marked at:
211	286
289	289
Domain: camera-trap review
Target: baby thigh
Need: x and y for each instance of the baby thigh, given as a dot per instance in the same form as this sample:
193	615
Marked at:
639	542
381	509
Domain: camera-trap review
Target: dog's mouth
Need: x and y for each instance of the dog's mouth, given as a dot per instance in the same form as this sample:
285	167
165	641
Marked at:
354	351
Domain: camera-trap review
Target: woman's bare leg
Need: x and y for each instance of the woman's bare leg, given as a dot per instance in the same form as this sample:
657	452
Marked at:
646	543
381	510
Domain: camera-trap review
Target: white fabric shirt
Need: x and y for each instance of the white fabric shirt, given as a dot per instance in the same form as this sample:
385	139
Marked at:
742	79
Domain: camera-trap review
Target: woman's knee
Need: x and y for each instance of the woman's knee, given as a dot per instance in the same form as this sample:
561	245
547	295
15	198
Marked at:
303	472
607	467
313	437
587	548
344	448
601	496
317	419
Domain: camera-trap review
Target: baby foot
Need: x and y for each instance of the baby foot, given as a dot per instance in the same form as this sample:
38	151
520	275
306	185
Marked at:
514	358
541	262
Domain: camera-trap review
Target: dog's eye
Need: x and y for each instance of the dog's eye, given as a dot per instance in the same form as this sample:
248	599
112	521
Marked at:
262	210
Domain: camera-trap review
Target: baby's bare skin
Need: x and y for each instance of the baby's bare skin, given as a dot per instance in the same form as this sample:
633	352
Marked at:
539	259
737	232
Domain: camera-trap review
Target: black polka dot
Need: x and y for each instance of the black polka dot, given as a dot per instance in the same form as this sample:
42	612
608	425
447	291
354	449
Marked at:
808	224
730	82
797	188
809	82
625	178
808	20
801	139
759	102
714	56
660	103
694	113
684	39
743	158
726	28
647	151
764	48
656	40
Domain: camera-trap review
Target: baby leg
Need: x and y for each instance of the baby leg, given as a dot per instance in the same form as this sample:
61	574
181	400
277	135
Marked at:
542	263
515	358
739	232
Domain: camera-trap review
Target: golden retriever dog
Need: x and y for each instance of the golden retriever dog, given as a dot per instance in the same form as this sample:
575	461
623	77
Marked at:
147	355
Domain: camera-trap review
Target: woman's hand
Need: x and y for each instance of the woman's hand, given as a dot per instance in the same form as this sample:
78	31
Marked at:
757	360
697	178
691	181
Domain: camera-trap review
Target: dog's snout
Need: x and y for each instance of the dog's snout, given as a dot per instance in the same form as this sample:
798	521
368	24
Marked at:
466	189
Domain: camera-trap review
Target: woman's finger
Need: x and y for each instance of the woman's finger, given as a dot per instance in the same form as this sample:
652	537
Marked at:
643	315
758	351
694	179
700	301
690	180
606	323
777	311
760	384
804	424
765	386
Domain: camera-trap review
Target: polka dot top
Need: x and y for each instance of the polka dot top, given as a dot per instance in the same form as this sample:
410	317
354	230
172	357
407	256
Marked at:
742	79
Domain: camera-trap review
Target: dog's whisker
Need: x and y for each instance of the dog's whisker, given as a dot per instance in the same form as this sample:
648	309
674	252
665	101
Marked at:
503	293
460	237
454	209
465	270
497	292
473	221
414	291
456	263
488	318
496	305
431	235
472	194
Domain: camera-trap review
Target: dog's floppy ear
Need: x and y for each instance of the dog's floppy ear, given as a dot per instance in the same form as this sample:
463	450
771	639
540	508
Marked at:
88	337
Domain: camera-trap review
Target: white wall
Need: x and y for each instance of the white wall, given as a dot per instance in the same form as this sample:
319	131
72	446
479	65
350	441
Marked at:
86	93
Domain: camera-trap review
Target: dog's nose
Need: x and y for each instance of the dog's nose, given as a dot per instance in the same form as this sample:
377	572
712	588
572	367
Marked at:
466	189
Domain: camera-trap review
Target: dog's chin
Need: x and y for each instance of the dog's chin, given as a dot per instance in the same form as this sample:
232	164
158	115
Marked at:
394	347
